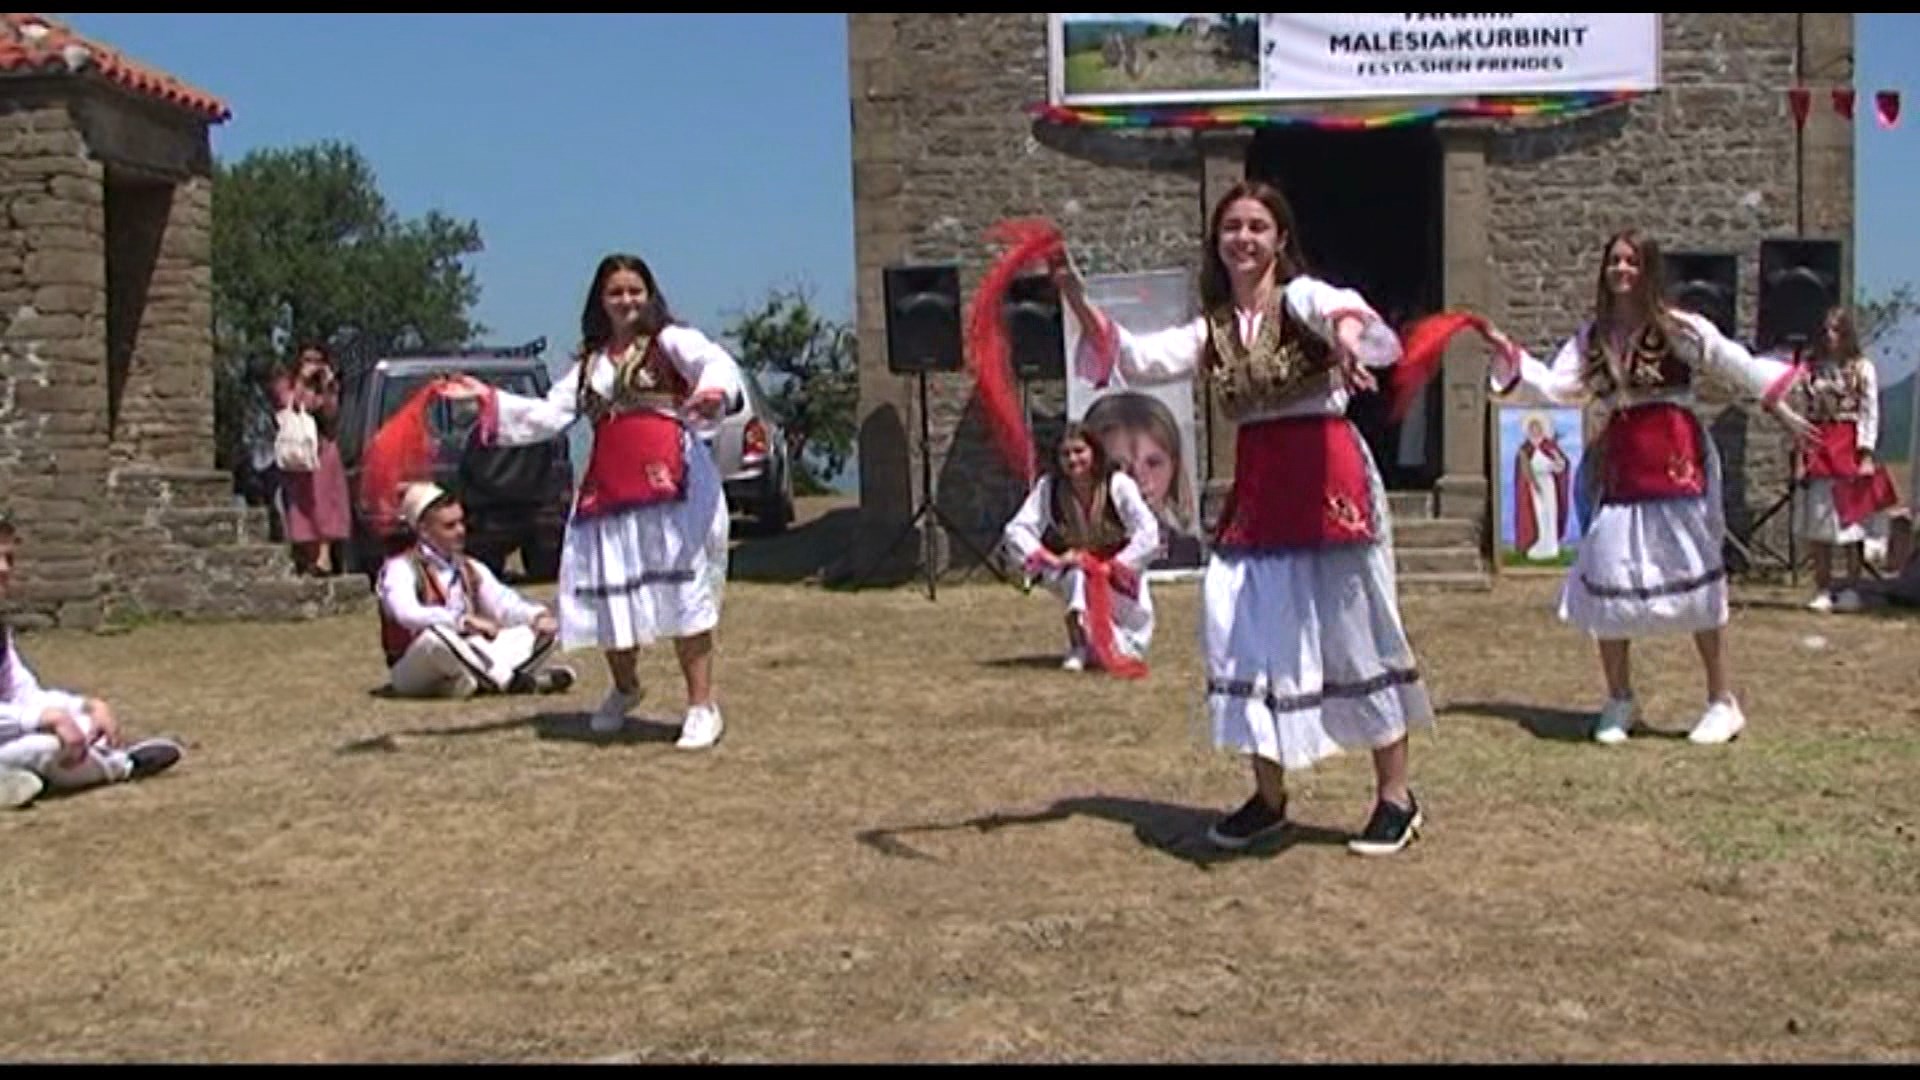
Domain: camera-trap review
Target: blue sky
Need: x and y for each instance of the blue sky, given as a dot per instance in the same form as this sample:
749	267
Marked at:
716	145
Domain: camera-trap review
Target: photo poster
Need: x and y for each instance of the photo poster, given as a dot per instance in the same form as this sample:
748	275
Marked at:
1151	430
1537	473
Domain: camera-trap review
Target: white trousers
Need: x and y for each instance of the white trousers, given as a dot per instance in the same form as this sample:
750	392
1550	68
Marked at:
40	753
443	663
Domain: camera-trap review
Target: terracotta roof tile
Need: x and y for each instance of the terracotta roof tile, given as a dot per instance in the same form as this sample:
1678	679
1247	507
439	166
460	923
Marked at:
36	45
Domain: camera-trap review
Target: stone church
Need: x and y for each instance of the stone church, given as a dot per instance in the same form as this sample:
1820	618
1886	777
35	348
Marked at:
1498	214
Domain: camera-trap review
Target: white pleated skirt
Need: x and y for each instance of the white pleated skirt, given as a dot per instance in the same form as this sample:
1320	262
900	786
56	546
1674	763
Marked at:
1649	569
1306	653
630	579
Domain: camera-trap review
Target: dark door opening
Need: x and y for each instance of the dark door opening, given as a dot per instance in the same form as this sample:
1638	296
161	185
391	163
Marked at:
1368	209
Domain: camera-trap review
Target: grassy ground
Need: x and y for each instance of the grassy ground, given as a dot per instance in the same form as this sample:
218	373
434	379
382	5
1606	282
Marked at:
921	841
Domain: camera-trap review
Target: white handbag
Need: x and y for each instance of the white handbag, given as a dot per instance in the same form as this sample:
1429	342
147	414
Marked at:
296	443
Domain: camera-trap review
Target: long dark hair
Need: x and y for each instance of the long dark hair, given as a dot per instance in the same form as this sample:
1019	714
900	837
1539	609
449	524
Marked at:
595	328
1849	336
1216	286
1100	525
1649	291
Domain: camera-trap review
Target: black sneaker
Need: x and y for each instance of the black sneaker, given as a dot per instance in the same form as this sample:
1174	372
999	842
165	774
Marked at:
1389	829
1247	824
151	757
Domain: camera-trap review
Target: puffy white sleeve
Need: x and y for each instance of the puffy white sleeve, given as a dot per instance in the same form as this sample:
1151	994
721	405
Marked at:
702	362
1022	534
524	421
24	699
1522	379
1869	406
1762	378
1322	307
1143	528
399	592
1163	356
503	603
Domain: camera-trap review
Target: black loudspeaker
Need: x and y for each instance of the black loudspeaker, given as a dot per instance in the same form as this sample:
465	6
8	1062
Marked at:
923	318
1799	282
1705	283
1037	338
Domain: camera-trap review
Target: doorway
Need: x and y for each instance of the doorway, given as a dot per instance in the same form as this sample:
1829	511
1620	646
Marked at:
1368	208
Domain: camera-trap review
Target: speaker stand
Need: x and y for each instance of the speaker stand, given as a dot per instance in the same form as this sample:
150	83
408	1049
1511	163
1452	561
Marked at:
1749	545
928	516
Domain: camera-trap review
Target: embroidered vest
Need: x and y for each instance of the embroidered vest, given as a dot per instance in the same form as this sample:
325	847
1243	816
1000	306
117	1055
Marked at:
1279	364
396	639
1652	364
1069	530
1836	393
642	379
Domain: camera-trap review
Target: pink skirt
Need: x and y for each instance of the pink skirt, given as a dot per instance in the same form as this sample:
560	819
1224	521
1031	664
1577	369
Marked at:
317	505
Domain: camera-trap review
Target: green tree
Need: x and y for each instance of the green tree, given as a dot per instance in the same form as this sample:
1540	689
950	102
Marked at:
305	248
808	366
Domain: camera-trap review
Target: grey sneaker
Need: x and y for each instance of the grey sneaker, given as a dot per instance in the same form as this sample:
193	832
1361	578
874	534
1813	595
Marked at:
152	757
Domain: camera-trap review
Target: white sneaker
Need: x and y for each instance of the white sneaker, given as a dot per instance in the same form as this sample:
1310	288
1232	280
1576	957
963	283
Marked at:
611	716
1822	602
1722	723
702	728
1076	661
18	787
1616	720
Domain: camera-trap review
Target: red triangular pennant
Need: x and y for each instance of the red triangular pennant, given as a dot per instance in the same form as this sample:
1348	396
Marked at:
1843	99
1886	103
1800	100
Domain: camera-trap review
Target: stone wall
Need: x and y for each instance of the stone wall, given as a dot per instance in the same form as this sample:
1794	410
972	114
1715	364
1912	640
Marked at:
161	325
943	147
106	375
1707	165
53	430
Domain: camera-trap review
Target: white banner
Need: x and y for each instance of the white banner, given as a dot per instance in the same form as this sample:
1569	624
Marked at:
1193	58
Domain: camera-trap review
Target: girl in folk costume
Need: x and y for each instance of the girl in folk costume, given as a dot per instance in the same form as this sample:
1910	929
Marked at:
645	554
1306	654
1084	515
1650	560
1541	492
1844	487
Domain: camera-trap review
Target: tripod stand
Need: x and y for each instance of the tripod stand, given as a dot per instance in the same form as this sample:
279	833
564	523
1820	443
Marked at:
929	515
1750	544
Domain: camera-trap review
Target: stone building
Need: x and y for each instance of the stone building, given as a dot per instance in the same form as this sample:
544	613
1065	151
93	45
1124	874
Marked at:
106	348
1503	216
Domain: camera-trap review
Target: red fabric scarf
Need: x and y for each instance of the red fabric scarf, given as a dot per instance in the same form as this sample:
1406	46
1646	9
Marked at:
1030	241
401	452
1422	346
1104	576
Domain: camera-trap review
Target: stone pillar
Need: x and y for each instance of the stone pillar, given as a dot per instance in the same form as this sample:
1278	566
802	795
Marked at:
159	279
886	450
1468	283
52	381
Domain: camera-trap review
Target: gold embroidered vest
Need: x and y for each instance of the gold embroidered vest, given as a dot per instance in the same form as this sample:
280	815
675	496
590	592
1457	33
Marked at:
643	378
1283	361
1652	364
1836	392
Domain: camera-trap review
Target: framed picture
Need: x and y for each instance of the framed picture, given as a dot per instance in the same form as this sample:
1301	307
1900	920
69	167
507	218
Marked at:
1536	473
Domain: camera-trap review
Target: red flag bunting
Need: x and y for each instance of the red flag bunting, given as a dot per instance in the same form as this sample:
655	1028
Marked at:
1800	100
1886	104
1843	99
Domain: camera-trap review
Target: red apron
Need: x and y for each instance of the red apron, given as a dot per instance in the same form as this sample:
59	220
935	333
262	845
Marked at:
637	461
1299	482
1653	452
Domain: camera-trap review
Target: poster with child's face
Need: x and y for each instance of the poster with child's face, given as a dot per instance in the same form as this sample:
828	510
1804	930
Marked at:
1149	430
